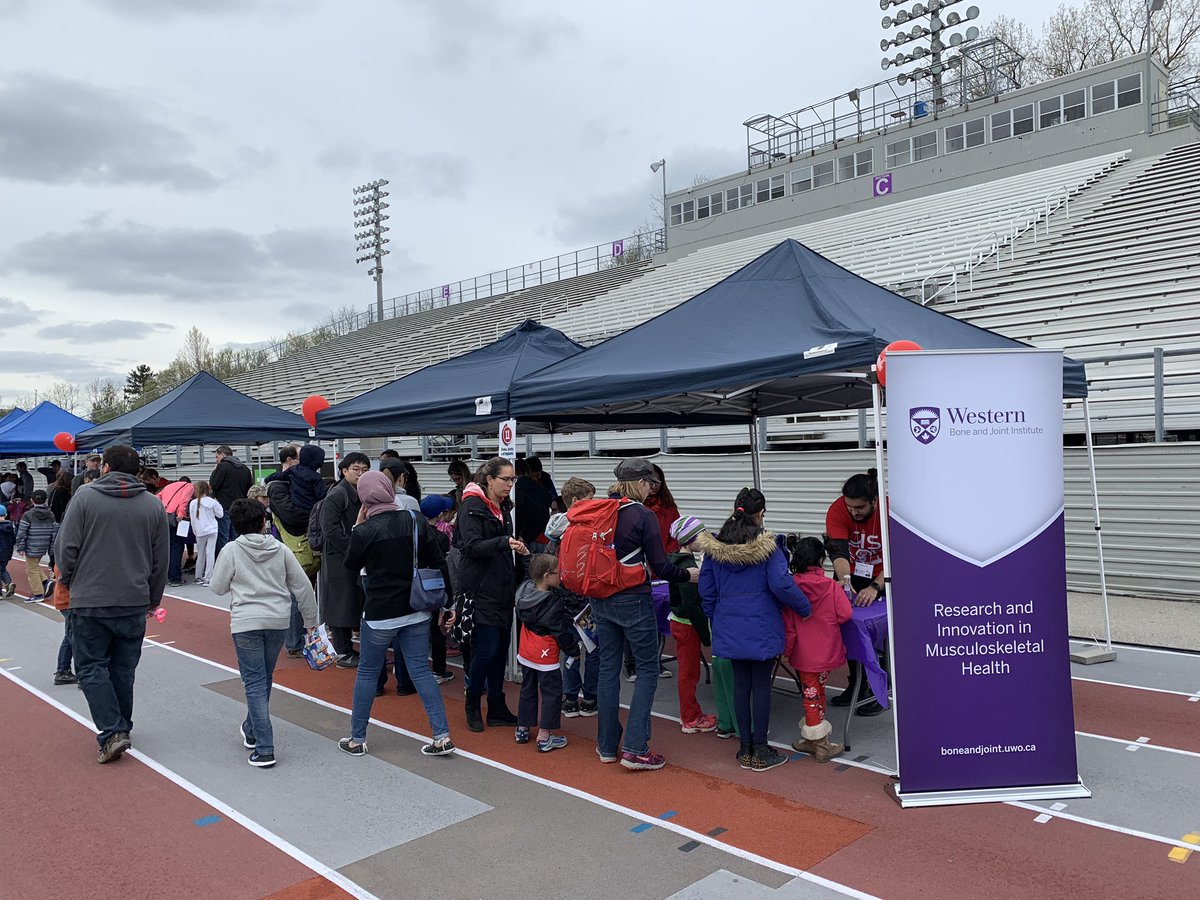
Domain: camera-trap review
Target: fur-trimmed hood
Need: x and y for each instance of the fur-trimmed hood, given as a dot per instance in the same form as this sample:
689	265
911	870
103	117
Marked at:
754	553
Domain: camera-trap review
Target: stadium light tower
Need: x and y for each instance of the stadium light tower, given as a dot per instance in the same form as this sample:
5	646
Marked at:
1152	6
934	65
655	167
369	217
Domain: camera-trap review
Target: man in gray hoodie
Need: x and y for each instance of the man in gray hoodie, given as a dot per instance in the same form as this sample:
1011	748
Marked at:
112	552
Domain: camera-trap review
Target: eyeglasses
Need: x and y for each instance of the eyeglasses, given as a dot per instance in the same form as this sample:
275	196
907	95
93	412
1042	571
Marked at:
360	469
507	479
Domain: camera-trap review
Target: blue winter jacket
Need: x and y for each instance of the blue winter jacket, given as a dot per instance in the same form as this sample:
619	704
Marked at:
742	587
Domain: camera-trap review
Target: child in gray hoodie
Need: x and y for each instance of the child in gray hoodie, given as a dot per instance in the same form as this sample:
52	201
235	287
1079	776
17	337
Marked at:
263	576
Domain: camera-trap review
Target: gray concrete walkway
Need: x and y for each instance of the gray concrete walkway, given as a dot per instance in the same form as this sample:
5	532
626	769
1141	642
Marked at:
1137	620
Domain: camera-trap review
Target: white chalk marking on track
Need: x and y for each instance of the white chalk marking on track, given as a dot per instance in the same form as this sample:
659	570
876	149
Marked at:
747	855
1043	818
309	862
1058	807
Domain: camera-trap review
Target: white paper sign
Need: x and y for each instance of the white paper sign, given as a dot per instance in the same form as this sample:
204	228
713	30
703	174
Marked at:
483	406
508	439
182	529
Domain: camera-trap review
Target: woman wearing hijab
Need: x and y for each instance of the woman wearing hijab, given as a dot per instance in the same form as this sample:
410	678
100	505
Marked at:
382	545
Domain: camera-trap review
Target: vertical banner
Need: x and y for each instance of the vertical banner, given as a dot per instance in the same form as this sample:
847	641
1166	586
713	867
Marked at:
508	439
978	559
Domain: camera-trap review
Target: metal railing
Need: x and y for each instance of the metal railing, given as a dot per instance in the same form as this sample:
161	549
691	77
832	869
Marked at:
1180	107
638	247
993	243
1160	380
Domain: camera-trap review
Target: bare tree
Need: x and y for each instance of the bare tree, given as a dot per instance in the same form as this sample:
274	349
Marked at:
104	400
66	396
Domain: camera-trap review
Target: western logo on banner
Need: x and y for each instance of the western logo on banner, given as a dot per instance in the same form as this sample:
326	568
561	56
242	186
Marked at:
978	559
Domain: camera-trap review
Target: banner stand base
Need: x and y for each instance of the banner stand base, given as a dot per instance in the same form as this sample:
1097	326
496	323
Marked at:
1035	793
1089	656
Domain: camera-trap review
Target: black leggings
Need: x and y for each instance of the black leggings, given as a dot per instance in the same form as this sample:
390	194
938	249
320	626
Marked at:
752	697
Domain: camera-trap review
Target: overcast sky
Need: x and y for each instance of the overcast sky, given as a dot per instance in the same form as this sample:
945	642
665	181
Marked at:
169	163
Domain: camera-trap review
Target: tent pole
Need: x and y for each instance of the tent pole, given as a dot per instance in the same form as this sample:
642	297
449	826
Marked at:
755	463
885	540
553	477
1091	655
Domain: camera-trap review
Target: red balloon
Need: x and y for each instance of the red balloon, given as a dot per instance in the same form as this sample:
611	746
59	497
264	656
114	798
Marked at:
893	347
312	406
65	441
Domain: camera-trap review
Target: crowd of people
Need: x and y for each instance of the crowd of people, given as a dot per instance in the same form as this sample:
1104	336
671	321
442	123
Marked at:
388	567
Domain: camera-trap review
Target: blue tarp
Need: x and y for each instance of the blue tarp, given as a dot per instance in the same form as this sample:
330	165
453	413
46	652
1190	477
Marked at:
790	333
467	394
202	410
32	434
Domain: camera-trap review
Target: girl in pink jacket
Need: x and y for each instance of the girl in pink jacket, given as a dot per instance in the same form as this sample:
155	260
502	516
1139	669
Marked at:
814	645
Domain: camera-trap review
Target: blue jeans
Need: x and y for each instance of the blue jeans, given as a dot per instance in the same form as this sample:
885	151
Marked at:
107	651
257	653
489	653
294	639
64	649
223	529
620	618
588	679
414	645
175	563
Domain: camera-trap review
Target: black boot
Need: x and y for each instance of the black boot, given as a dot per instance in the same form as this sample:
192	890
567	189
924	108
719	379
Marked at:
498	712
744	755
474	716
765	757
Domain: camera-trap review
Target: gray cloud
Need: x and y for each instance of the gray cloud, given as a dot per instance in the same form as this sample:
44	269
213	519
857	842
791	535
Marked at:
10	307
59	131
470	31
438	175
60	366
212	264
99	332
605	217
160	10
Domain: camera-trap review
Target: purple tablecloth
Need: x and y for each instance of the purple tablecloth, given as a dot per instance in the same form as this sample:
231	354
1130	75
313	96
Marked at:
865	633
660	591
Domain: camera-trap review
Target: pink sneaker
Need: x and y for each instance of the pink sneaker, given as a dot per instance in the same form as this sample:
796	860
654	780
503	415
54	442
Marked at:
647	760
702	725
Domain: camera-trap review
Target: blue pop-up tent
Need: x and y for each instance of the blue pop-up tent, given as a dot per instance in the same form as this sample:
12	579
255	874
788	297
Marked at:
32	433
15	413
201	410
467	394
789	333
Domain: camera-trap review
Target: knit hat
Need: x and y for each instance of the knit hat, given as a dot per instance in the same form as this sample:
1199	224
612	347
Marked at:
3	510
556	527
686	529
435	504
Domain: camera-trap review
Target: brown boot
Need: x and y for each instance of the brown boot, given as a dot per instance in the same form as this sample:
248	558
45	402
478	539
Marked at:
801	745
827	750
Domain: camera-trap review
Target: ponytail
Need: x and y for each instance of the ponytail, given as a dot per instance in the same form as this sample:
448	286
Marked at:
740	528
862	486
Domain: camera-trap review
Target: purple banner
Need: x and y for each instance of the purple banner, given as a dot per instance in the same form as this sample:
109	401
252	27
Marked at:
981	658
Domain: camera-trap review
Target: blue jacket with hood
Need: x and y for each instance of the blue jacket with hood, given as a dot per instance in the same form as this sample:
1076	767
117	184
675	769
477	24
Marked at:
743	587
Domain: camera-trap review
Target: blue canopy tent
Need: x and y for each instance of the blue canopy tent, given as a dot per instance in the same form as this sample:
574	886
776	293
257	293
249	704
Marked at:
466	394
32	433
789	333
201	410
15	413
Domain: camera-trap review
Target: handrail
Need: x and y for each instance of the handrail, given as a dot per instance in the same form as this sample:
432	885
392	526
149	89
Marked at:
992	242
953	282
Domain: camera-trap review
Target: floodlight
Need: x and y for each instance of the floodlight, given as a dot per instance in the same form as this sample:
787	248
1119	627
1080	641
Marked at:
935	24
885	63
953	19
902	17
972	12
886	23
917	31
919	9
902	79
955	40
972	33
884	4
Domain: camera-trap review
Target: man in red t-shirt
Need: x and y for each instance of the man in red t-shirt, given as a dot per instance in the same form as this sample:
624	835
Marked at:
853	538
855	544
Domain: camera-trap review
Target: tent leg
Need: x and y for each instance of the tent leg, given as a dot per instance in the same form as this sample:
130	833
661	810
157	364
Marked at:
553	477
885	540
755	462
1096	654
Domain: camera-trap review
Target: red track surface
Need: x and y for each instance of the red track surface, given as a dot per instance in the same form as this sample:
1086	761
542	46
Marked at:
78	829
842	825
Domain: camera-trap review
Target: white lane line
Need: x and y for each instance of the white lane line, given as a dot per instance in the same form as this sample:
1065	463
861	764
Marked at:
12	668
1132	687
1119	829
747	855
330	874
1139	744
224	609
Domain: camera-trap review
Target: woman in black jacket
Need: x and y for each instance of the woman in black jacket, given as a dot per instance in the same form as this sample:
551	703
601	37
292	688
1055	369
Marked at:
484	537
382	544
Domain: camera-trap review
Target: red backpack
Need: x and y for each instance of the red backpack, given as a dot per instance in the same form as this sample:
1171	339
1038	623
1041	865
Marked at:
587	559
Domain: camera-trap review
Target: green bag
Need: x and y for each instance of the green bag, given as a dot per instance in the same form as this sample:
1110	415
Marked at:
309	561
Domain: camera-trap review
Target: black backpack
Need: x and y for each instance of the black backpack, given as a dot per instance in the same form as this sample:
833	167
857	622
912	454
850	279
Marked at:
316	538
